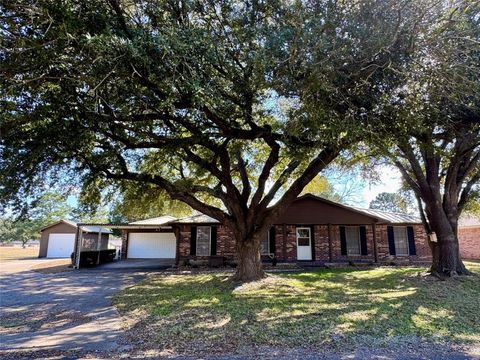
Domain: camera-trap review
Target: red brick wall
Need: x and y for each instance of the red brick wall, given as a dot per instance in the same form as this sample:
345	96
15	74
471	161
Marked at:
286	247
421	245
337	250
469	240
225	242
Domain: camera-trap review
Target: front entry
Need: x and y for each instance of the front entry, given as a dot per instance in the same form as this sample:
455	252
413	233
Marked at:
304	243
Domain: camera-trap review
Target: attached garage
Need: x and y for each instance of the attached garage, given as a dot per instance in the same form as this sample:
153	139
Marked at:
149	239
151	245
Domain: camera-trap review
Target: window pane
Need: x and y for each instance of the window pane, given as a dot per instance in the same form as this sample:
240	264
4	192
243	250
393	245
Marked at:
353	240
303	232
203	240
303	241
265	244
401	241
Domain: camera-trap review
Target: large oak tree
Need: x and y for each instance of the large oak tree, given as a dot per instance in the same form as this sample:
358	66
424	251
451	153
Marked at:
192	97
435	126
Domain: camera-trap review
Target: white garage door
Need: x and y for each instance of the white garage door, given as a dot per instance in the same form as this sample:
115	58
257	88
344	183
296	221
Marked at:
151	246
60	245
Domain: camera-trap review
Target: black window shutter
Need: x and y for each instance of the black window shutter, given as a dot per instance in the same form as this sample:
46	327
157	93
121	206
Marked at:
272	240
213	241
363	240
411	241
343	241
312	234
391	240
193	240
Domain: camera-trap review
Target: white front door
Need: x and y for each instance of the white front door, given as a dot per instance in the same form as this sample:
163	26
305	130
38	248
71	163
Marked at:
304	243
60	245
153	245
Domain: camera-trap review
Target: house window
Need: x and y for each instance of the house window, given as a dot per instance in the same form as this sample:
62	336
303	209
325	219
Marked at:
204	236
401	240
265	244
352	234
303	236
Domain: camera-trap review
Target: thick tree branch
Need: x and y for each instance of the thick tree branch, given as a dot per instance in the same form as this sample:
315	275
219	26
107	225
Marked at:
465	194
242	169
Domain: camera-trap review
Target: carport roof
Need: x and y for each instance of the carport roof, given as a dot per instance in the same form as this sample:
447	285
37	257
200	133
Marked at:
152	223
86	228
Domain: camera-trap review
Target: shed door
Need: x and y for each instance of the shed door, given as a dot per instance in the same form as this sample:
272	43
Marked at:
151	245
60	245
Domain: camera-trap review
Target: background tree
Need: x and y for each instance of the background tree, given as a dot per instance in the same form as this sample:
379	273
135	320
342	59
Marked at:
183	96
18	230
435	123
320	186
47	209
141	201
392	202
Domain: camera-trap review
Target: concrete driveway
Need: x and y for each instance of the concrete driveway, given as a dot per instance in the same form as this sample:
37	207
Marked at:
63	311
15	266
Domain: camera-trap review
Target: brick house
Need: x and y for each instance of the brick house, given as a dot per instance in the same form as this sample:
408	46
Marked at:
312	231
469	237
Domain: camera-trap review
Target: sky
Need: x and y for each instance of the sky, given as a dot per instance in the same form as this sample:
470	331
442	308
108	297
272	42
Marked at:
366	190
391	181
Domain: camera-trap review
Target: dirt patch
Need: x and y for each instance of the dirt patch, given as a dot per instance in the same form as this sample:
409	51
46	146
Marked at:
9	253
53	267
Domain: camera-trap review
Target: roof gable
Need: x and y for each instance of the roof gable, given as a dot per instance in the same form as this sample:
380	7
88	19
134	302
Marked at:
310	209
64	221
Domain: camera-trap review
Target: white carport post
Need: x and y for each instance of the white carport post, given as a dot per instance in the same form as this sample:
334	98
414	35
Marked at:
99	243
78	250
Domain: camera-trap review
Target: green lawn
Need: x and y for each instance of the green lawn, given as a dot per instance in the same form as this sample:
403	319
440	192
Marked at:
341	307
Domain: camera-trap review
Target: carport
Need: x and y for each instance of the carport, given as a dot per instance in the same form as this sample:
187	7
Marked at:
57	239
147	242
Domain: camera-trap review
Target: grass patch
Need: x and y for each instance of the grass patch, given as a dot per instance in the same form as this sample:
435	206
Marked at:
327	307
8	253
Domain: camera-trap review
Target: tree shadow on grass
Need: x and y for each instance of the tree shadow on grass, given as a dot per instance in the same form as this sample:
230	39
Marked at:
334	308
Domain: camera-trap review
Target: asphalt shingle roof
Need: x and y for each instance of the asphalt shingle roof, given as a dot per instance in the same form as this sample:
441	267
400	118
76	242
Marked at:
161	220
197	219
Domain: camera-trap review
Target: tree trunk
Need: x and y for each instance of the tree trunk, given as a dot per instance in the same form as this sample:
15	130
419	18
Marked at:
249	266
446	261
